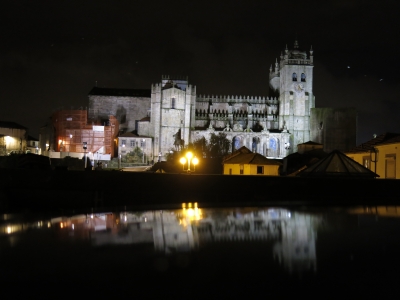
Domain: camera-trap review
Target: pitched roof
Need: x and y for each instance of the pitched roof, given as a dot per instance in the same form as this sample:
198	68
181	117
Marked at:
244	156
299	161
132	135
337	164
310	143
121	92
384	138
5	124
128	134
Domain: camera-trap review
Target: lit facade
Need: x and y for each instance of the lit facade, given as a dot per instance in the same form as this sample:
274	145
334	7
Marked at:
177	115
380	155
72	129
13	138
245	162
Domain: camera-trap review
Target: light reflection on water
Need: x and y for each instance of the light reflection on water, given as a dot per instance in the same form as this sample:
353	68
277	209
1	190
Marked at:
296	242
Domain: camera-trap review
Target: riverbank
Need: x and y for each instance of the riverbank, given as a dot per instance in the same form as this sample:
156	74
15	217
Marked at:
68	190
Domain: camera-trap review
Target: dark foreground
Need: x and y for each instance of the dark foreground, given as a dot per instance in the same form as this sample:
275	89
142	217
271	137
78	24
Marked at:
222	253
71	190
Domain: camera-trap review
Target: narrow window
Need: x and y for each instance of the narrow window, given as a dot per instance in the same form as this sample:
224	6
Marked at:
132	143
260	169
230	171
294	77
390	165
123	142
367	162
303	77
172	102
241	169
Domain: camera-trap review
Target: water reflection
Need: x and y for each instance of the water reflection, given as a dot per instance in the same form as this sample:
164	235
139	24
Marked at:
290	235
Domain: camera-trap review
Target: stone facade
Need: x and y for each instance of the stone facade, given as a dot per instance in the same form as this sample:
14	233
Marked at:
335	128
127	105
173	114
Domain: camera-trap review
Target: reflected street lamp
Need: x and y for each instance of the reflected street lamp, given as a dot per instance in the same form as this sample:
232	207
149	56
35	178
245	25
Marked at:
84	152
189	159
69	149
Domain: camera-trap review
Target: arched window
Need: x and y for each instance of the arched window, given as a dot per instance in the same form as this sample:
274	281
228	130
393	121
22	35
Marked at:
172	102
303	77
294	77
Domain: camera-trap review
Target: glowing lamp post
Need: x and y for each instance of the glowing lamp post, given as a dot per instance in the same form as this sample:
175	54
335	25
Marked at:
70	140
189	159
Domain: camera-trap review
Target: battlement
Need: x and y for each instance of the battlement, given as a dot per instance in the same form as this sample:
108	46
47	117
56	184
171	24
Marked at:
237	99
156	88
175	78
288	61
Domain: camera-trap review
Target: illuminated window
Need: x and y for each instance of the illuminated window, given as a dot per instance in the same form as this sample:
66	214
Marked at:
123	142
303	77
260	169
367	162
294	77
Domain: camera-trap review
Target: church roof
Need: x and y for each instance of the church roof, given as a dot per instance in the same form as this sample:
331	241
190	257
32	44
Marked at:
310	143
337	164
385	138
13	125
171	84
121	92
244	156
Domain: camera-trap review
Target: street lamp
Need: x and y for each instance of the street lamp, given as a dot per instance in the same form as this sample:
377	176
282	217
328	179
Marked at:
189	159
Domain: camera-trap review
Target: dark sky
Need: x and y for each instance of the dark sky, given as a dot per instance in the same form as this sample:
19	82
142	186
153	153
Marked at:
53	52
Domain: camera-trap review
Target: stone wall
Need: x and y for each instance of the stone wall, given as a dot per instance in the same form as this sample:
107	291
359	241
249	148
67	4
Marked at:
127	110
335	128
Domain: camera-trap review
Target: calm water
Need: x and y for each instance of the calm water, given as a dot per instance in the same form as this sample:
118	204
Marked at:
203	253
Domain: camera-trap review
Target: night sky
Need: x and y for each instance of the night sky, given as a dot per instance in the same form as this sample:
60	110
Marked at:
53	52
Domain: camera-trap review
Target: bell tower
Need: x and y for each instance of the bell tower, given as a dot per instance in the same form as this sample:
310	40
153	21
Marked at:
295	90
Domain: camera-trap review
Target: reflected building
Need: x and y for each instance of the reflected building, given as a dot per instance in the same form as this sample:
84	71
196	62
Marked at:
296	248
293	234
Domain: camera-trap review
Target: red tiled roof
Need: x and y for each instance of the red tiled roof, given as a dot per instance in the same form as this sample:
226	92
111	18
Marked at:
384	138
245	156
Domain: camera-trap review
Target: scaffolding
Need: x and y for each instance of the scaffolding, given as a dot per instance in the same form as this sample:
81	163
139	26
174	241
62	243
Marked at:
72	129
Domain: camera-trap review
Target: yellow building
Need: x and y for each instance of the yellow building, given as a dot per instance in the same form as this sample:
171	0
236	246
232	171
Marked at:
379	155
13	138
245	162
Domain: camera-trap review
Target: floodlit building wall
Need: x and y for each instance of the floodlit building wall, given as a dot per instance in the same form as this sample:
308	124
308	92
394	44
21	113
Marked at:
72	129
14	139
383	161
335	128
250	169
128	144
